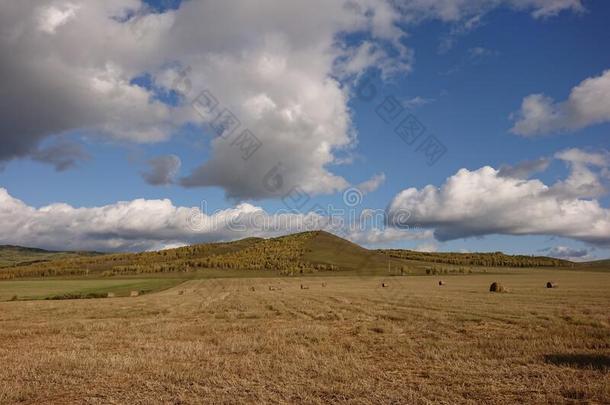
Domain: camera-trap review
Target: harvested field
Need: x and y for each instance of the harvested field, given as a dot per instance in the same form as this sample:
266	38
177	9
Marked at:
351	341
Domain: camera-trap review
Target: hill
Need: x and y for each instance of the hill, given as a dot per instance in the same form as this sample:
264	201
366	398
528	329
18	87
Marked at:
302	253
18	255
495	259
597	265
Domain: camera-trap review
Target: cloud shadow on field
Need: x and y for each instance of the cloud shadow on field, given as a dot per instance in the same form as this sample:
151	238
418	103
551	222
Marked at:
582	361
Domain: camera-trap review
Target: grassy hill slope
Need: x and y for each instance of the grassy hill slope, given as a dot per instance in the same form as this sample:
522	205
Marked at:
597	265
326	248
495	259
301	253
18	255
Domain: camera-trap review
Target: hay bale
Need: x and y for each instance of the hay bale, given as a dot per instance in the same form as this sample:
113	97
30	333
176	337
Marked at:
181	292
384	285
304	287
497	287
252	289
551	284
441	282
111	295
323	284
134	293
271	288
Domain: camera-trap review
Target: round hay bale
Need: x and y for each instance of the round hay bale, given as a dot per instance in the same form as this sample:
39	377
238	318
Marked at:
252	289
304	287
110	295
497	287
134	293
441	283
551	284
384	285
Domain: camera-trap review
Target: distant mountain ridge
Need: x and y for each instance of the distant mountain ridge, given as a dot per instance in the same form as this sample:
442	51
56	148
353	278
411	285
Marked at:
11	255
301	253
492	259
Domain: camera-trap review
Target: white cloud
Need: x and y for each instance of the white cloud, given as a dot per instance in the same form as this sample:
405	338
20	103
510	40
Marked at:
62	154
162	170
355	60
588	104
456	10
466	15
569	253
274	85
371	184
586	178
167	246
51	18
65	86
428	247
459	29
417	102
482	202
383	236
549	8
270	63
141	224
574	155
276	65
138	225
524	170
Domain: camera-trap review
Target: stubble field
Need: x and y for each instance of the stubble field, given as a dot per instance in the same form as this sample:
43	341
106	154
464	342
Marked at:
343	339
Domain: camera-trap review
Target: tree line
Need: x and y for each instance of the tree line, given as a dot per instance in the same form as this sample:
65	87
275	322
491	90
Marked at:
495	259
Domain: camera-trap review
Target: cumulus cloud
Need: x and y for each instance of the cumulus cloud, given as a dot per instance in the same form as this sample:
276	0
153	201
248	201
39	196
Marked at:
457	10
479	51
63	155
524	170
383	236
427	247
277	66
162	170
417	102
53	85
482	202
140	225
273	85
265	63
465	16
588	104
586	178
371	184
549	8
52	17
569	253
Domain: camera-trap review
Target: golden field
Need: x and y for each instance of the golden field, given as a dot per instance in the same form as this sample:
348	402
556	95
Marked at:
341	340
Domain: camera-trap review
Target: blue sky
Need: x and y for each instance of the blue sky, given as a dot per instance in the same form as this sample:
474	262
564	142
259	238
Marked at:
466	96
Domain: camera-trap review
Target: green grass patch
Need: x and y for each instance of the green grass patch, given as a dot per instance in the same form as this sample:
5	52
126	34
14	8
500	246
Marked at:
83	288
